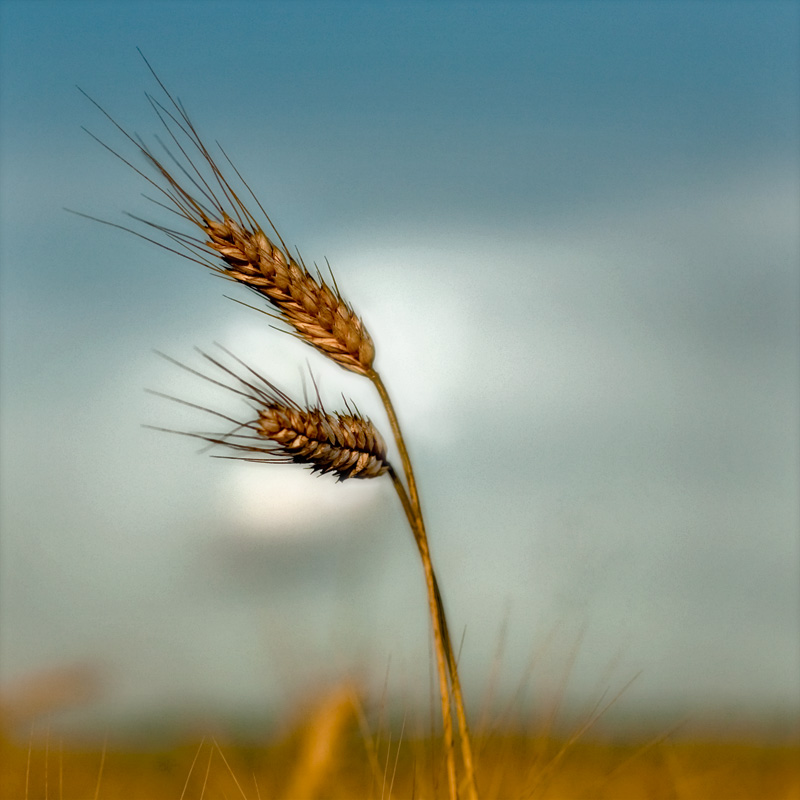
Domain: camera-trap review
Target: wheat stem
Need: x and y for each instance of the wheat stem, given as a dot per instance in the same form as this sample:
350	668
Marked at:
443	642
437	619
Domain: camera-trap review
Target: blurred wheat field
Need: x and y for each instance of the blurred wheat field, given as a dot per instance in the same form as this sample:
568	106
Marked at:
328	756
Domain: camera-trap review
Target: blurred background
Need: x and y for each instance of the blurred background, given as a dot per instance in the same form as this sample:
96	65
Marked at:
573	230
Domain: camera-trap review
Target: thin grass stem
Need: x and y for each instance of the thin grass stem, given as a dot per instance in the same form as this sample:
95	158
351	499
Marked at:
438	617
438	632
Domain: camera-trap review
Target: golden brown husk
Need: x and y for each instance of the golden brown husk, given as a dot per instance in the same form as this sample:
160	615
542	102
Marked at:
348	445
313	309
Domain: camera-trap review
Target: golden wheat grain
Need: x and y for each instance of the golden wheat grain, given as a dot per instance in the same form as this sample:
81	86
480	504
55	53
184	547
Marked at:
345	444
244	252
317	312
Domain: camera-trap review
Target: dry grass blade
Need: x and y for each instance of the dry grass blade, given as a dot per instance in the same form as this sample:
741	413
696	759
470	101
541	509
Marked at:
345	444
195	188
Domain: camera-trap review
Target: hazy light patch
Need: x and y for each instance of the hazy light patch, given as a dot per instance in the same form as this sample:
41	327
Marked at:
424	326
640	296
275	354
278	501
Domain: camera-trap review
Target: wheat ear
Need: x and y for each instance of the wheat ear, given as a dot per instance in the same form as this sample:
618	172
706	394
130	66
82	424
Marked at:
244	252
347	444
319	315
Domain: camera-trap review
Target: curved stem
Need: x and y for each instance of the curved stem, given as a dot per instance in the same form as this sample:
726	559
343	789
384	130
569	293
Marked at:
442	661
466	746
413	509
401	444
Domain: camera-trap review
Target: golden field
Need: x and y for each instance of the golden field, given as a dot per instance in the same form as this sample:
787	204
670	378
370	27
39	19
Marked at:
331	755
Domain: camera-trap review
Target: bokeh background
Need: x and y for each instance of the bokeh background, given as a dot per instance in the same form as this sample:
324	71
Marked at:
573	230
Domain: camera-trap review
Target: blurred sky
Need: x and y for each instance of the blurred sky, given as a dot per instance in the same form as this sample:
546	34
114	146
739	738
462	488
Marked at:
573	230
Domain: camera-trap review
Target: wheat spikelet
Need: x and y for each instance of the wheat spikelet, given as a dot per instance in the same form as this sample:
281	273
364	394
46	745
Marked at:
284	431
198	191
346	444
317	312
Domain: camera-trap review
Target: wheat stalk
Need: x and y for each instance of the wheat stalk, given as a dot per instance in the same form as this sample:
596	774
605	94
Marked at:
344	444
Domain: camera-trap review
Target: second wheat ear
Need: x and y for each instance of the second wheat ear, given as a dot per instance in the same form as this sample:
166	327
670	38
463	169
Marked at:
225	236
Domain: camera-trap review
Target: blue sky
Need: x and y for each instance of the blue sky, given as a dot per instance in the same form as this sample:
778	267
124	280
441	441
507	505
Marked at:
572	229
